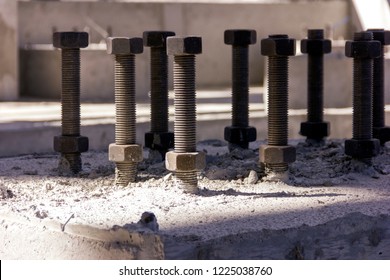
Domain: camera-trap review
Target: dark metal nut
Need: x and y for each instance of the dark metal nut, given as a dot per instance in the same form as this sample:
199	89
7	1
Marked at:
278	45
234	134
362	148
363	49
185	161
315	46
124	45
381	133
277	154
70	40
156	39
381	35
184	45
71	144
159	140
315	130
125	153
240	37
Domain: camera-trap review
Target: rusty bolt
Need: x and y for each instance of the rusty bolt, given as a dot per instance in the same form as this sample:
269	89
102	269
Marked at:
125	152
240	133
380	130
277	48
362	49
159	138
315	129
184	50
70	149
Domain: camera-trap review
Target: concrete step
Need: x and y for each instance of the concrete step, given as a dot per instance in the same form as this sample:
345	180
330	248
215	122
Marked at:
29	127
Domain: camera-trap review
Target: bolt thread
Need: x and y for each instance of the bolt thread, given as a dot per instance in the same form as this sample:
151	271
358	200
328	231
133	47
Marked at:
278	100
185	105
240	86
125	172
70	162
277	167
159	90
125	99
315	103
187	181
70	97
378	101
362	98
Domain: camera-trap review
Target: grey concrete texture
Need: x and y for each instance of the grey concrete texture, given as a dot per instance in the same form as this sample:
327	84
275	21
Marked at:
46	240
131	19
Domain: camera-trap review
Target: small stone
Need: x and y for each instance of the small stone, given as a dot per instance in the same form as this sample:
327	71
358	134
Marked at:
149	220
168	177
252	177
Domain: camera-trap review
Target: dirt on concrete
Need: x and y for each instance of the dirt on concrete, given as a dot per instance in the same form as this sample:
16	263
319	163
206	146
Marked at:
236	201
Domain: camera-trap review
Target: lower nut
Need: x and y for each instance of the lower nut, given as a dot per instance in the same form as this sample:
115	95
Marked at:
183	162
238	135
381	133
159	140
71	144
125	153
362	149
315	130
277	154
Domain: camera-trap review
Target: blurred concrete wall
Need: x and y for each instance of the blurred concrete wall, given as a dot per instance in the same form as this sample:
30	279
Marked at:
8	50
40	67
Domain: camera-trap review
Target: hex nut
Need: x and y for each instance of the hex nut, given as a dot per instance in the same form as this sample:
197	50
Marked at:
70	40
185	161
315	130
184	45
159	140
381	35
362	148
277	154
278	45
156	39
124	45
235	134
240	37
316	46
381	133
70	144
125	153
363	49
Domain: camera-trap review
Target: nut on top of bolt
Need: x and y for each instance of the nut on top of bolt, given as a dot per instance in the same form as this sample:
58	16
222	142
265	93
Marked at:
240	37
156	39
381	35
70	40
278	45
315	44
184	45
363	46
124	45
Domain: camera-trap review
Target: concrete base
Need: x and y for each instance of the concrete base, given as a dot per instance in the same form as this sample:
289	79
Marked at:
40	239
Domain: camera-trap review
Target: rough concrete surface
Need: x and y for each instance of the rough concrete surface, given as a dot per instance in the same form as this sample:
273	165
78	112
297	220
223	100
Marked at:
329	207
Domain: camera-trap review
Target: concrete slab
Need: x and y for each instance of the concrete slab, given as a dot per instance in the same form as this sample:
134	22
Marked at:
43	239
